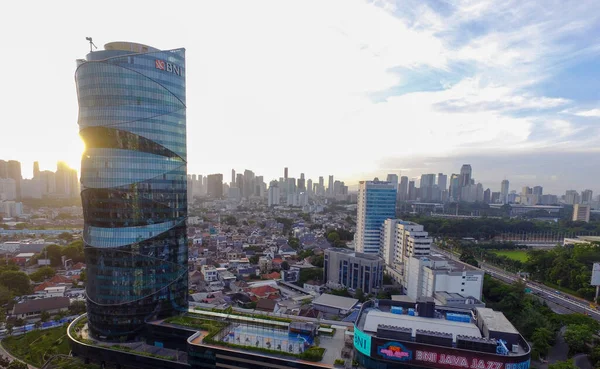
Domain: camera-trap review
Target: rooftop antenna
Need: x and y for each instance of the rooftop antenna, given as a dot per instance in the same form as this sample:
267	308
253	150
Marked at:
91	44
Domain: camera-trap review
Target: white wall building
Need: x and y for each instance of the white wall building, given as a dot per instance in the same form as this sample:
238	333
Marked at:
209	273
273	194
427	275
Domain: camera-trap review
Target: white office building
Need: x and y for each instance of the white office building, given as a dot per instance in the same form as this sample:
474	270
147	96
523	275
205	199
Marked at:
427	275
376	203
273	194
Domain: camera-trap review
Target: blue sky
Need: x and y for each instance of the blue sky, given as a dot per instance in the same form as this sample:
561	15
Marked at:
346	87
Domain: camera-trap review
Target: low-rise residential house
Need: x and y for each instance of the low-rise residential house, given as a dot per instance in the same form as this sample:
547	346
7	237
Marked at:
314	286
274	275
209	273
32	308
263	292
265	305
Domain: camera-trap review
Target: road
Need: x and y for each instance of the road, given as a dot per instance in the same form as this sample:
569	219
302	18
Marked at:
558	301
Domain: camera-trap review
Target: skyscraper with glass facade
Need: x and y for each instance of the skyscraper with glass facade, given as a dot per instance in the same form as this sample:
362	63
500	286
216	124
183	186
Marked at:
376	203
132	118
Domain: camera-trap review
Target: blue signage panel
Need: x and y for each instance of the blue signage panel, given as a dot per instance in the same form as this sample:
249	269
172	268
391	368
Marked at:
362	342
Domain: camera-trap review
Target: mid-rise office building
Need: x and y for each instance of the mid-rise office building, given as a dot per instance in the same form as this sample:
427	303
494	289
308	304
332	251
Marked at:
376	203
427	275
581	213
132	105
400	239
344	268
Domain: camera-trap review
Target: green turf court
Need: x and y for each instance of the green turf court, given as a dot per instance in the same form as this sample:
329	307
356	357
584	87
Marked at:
520	255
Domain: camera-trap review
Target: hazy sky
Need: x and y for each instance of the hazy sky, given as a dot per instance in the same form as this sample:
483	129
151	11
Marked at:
351	88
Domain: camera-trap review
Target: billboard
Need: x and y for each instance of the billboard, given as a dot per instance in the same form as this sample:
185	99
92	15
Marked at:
438	356
595	275
362	342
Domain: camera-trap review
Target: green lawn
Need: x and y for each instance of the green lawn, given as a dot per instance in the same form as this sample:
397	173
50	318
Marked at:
38	346
519	255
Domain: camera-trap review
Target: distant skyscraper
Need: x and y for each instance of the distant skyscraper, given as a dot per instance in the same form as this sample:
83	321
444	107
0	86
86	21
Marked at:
36	169
233	177
3	169
66	180
412	191
330	186
487	196
301	185
248	189
215	186
504	187
586	197
465	175
538	190
14	172
285	173
274	195
393	178
309	187
239	183
571	197
132	105
321	182
403	188
454	188
442	181
376	203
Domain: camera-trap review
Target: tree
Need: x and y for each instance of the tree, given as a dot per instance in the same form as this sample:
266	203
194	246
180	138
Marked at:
66	236
254	259
44	316
359	295
54	253
5	295
42	274
77	307
9	328
16	282
332	237
542	338
318	260
577	336
285	265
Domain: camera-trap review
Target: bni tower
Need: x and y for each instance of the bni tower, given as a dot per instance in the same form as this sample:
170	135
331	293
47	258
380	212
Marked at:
133	186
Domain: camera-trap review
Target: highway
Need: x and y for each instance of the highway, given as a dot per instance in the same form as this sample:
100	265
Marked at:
558	301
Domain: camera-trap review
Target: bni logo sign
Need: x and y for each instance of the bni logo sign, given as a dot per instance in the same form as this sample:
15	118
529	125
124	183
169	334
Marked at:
168	67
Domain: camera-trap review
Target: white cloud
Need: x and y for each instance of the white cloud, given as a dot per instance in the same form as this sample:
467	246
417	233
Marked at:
588	113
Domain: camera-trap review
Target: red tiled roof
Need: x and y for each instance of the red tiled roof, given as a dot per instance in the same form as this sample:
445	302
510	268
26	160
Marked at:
274	275
263	291
43	286
60	279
